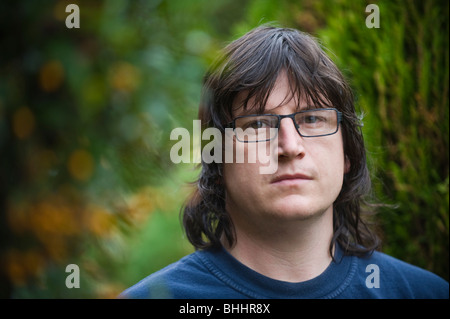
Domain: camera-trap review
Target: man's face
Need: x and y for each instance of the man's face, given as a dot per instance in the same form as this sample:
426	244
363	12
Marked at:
309	176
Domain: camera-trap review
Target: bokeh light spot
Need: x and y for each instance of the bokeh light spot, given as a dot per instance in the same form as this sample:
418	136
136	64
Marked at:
81	165
23	122
51	76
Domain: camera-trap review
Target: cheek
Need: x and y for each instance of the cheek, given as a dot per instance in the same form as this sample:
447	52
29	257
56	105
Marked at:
331	161
243	183
240	175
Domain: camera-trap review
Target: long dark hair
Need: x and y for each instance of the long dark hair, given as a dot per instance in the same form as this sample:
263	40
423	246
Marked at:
252	64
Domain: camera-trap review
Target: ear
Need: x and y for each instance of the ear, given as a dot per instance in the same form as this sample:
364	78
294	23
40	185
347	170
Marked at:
347	165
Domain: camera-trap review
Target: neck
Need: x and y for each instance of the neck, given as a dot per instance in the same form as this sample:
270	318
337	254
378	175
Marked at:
292	251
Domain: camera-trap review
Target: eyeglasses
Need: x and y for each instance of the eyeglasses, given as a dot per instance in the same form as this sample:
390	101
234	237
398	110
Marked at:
309	123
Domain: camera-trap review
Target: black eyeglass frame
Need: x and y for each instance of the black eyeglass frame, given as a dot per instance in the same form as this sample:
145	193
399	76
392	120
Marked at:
232	124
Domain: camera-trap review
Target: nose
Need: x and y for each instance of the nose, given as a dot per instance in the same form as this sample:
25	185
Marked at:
290	142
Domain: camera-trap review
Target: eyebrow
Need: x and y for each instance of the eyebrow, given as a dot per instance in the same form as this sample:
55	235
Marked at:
248	111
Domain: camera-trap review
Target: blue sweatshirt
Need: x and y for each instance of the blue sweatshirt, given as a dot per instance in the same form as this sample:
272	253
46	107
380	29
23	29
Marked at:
215	274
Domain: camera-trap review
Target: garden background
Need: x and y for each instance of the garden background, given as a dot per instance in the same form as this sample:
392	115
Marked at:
86	114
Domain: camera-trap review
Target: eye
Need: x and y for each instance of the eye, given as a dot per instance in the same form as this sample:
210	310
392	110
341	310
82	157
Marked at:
255	123
260	123
311	119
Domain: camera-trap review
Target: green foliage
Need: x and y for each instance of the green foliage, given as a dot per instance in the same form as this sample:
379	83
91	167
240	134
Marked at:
400	75
86	116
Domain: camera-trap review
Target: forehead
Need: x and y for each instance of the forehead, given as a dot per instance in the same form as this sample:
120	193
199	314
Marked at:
282	93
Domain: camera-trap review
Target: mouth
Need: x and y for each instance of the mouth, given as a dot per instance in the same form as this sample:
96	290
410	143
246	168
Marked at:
291	179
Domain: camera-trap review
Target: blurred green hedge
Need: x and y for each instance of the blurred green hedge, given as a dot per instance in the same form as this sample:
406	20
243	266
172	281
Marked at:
400	74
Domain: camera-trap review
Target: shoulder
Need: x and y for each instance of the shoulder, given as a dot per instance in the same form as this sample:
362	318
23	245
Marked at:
392	278
187	278
158	285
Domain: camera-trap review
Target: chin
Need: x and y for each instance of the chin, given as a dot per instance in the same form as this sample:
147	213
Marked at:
298	210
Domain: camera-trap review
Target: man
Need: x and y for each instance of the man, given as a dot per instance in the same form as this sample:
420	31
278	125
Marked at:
301	231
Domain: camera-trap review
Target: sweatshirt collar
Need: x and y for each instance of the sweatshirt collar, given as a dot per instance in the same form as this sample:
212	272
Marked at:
232	272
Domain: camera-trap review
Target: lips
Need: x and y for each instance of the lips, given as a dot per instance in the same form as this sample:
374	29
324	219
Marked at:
291	178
